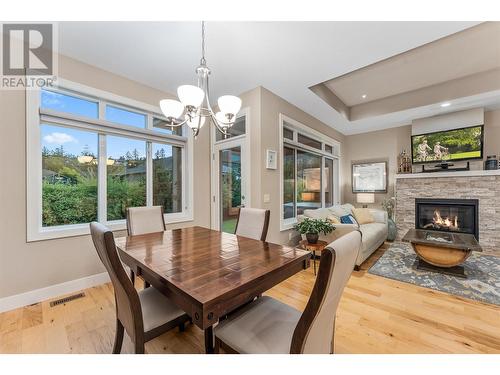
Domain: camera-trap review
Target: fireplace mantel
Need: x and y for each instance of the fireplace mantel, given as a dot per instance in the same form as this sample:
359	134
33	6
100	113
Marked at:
450	174
481	185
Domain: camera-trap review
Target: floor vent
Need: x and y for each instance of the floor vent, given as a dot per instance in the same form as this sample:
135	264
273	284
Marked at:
66	299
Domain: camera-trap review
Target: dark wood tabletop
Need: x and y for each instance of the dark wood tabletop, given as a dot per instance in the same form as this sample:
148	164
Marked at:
209	273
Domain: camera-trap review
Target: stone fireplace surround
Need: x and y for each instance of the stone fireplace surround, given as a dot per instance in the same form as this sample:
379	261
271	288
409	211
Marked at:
481	185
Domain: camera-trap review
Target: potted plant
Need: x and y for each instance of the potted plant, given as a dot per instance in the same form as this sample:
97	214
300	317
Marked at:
313	227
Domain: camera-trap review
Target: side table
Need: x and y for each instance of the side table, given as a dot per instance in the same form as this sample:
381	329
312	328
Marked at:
313	247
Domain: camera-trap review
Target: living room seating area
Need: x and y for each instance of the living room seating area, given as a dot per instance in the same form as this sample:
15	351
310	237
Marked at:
373	231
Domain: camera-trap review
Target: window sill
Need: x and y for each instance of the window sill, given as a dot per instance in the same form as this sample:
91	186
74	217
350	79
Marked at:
76	230
288	224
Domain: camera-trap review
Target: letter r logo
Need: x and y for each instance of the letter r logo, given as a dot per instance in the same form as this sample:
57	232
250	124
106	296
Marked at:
27	46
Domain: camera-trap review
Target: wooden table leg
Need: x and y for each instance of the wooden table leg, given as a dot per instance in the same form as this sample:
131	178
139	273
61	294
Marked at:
209	340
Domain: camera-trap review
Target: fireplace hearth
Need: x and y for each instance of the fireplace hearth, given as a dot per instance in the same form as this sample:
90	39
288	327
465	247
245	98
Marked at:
447	215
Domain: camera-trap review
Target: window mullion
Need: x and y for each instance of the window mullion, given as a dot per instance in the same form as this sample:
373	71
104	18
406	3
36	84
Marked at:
149	122
102	172
102	180
322	182
149	174
295	183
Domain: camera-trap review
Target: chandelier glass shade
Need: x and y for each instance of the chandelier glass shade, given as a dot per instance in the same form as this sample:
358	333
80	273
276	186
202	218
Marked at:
193	106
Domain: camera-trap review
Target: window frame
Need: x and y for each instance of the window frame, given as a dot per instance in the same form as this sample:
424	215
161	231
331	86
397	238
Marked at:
35	116
297	127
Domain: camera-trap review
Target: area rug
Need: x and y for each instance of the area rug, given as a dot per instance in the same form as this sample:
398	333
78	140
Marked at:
483	274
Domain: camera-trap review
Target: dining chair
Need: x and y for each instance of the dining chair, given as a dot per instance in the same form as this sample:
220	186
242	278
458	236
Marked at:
143	220
267	325
144	315
252	223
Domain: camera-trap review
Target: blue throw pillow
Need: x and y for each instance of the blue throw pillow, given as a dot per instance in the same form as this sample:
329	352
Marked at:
348	219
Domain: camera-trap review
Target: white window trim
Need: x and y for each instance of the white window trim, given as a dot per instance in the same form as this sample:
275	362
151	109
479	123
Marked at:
34	230
287	224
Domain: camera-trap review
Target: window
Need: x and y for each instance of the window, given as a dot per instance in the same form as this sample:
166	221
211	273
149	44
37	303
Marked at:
329	163
238	128
162	126
69	176
125	117
70	104
310	170
167	177
308	181
126	171
82	169
308	141
288	134
288	182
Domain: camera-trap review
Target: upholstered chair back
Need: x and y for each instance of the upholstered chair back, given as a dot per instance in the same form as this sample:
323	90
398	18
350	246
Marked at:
315	330
128	306
142	220
252	223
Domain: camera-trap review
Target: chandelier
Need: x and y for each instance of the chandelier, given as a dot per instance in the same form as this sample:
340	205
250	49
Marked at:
193	106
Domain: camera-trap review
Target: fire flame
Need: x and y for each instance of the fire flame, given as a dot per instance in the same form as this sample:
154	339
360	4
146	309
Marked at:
446	222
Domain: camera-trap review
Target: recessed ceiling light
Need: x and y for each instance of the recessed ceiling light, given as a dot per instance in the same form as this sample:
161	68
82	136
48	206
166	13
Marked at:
363	96
446	104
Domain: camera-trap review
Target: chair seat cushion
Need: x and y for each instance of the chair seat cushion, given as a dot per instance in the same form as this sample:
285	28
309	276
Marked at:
263	326
157	309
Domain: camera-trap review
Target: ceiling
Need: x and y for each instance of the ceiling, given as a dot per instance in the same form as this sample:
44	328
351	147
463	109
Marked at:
472	51
285	57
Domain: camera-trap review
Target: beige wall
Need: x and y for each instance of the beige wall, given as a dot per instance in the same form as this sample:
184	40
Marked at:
265	108
383	145
387	144
28	266
251	101
492	133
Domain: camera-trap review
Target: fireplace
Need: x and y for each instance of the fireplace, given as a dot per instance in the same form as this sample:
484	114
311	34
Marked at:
448	215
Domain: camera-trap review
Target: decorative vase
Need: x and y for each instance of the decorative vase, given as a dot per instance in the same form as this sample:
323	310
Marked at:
392	230
312	238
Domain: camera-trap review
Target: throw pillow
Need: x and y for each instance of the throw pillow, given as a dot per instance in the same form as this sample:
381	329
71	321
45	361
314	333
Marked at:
348	219
319	213
338	211
333	219
363	215
347	208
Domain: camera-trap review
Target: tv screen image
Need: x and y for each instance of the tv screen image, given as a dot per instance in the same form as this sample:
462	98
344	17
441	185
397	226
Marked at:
448	145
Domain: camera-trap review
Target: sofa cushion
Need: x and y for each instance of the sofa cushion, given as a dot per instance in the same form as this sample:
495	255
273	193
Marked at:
319	213
363	215
372	234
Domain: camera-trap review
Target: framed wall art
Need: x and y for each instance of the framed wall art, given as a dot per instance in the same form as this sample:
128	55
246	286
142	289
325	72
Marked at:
369	177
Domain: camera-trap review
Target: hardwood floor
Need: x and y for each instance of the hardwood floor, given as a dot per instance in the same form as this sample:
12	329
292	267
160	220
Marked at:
376	315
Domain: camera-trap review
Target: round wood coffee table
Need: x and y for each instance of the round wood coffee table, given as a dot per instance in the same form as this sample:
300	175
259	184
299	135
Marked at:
313	247
444	251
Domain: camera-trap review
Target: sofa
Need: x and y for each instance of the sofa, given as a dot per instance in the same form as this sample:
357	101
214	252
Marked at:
373	234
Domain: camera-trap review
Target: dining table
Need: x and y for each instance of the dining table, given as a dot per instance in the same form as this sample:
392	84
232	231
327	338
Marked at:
208	273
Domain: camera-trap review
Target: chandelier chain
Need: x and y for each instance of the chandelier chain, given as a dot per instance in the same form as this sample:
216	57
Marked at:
203	61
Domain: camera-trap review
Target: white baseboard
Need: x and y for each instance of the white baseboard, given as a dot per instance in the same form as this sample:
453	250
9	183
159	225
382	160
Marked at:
39	295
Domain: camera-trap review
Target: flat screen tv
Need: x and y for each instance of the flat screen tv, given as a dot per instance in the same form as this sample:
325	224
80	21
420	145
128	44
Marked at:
449	145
